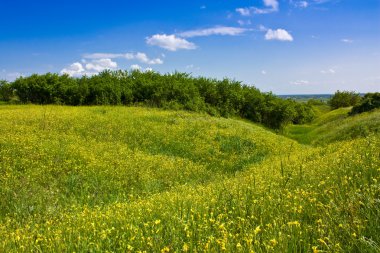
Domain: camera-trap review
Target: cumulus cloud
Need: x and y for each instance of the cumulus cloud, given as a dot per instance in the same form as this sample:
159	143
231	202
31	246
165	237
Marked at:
142	57
91	68
219	30
170	42
135	67
101	64
279	34
270	7
74	69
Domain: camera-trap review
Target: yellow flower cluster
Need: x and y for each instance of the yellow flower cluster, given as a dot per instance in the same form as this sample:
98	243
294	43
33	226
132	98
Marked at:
117	179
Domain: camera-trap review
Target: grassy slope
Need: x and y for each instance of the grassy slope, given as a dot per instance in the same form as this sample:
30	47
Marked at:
335	126
129	179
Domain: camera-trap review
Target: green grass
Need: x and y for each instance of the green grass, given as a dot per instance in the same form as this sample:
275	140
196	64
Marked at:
118	179
334	126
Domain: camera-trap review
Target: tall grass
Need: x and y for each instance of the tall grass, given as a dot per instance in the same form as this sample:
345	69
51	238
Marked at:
97	179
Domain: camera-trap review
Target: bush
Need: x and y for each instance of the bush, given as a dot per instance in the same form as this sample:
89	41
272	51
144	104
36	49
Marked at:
344	99
369	102
176	91
6	91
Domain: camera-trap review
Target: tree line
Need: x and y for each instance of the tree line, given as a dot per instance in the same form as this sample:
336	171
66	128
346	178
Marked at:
170	91
360	104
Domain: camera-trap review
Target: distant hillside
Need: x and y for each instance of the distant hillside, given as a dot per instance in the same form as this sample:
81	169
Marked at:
335	126
305	97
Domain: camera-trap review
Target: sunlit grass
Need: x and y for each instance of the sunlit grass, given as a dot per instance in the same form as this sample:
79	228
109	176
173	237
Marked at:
96	179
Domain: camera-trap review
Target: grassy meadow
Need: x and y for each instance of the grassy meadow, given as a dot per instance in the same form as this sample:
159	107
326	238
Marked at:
129	179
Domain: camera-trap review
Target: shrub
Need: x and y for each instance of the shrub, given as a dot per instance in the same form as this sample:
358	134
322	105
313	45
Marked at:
344	99
6	91
369	102
177	91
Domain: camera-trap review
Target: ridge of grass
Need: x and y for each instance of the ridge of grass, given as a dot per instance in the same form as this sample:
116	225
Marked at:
335	125
118	179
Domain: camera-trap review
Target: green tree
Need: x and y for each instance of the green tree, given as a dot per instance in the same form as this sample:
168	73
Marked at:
344	99
370	101
6	91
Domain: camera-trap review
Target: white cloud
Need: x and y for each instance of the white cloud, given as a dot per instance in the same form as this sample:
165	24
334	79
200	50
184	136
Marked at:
101	64
263	28
142	57
75	69
170	42
329	71
139	68
263	72
135	67
244	11
220	30
242	22
271	3
102	56
279	34
349	41
299	4
92	68
10	76
303	4
271	6
300	82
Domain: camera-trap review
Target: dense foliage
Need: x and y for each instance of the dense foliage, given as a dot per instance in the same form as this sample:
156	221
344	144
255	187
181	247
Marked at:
370	102
344	99
6	91
174	91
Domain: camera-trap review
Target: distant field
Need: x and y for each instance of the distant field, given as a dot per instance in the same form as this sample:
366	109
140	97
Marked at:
124	179
306	97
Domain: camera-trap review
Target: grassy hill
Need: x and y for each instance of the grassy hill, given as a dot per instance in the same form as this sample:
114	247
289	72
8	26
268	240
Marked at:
96	179
336	125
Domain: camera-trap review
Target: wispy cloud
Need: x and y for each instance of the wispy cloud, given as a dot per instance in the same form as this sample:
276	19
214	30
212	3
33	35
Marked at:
300	82
270	7
170	42
244	22
349	41
141	57
279	34
299	4
10	76
219	30
330	71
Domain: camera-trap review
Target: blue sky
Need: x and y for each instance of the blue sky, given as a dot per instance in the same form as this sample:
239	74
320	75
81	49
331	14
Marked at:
284	46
